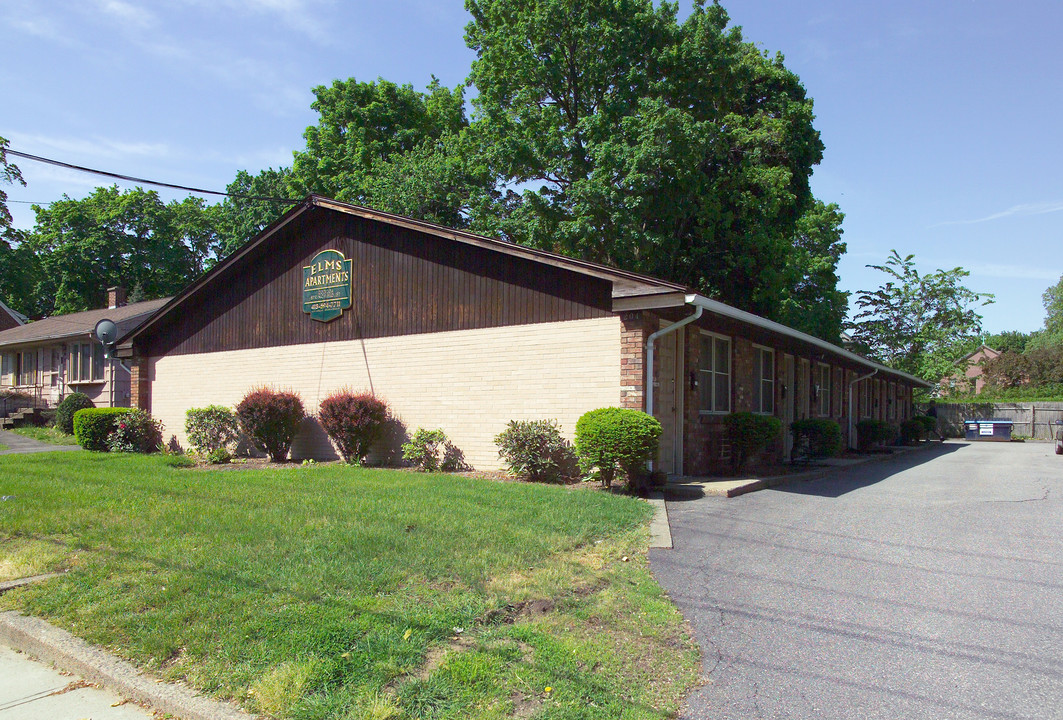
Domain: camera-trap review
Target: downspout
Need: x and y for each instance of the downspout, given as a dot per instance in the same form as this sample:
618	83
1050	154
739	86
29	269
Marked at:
851	384
649	353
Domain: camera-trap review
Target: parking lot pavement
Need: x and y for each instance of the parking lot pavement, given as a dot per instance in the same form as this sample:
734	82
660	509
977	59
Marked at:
926	586
30	690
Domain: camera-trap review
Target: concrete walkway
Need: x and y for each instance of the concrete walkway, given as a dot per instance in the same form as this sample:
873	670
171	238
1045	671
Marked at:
18	445
30	690
37	692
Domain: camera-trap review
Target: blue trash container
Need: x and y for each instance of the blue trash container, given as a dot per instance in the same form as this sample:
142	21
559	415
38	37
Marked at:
988	430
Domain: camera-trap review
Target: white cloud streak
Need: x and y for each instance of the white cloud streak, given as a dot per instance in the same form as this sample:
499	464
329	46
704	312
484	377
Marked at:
1025	210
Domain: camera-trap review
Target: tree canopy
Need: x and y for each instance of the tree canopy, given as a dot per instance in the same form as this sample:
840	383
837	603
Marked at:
918	323
674	149
607	130
128	238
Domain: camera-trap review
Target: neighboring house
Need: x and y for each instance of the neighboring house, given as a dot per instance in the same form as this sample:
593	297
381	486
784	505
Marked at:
50	358
465	333
968	377
9	318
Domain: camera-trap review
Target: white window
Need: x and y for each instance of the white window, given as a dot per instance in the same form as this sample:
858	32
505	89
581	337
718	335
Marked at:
86	363
27	368
865	398
7	369
763	380
823	390
714	374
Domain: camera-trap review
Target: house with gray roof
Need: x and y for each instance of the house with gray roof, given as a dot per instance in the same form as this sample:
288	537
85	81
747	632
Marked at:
45	360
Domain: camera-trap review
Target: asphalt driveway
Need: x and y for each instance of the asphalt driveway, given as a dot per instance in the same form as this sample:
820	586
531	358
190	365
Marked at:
926	586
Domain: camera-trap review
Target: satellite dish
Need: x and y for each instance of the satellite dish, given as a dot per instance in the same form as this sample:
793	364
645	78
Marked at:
106	331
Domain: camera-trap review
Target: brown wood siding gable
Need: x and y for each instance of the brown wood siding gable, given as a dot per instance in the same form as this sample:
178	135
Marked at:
404	282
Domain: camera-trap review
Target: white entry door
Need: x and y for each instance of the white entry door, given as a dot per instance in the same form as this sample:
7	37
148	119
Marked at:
668	402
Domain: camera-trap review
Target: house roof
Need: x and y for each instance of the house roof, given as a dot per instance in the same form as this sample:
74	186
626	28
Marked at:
18	317
629	290
981	348
58	327
625	284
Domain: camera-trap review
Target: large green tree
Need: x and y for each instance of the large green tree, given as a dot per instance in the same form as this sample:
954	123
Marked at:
1053	300
676	149
248	211
811	301
17	264
130	238
393	148
919	323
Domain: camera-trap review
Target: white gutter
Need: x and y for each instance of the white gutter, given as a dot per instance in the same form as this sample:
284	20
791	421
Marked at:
718	308
650	341
852	445
649	350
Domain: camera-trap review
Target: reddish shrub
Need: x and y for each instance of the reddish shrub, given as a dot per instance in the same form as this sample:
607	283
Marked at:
354	421
271	419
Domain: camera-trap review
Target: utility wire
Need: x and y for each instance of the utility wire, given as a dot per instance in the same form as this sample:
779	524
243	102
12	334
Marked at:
129	178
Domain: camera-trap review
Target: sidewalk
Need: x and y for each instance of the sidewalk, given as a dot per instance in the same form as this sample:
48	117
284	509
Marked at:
17	444
30	690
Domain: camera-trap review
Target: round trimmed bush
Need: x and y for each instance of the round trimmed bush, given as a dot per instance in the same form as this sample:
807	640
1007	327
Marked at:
64	411
271	419
617	440
93	426
354	421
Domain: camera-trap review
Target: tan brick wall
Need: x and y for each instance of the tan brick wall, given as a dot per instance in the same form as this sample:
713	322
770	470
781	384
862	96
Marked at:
470	383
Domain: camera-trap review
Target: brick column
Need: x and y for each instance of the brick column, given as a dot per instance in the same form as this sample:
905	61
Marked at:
140	385
633	335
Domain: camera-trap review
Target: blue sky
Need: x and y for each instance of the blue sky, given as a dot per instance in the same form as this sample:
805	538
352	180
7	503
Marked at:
941	119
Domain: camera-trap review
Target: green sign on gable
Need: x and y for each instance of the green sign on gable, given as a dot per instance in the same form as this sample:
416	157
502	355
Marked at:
327	286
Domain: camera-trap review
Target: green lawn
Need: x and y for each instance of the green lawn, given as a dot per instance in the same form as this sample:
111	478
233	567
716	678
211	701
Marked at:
336	592
46	434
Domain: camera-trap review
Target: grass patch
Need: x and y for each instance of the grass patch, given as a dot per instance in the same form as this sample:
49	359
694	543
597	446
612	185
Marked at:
46	434
339	592
3	447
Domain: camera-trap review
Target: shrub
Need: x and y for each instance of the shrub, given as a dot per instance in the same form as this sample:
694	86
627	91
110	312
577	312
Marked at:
749	434
354	422
617	439
271	419
431	451
137	432
214	427
64	412
874	432
92	426
929	423
913	430
219	456
535	450
822	436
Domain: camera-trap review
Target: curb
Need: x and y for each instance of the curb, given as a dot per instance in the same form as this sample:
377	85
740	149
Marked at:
660	530
71	654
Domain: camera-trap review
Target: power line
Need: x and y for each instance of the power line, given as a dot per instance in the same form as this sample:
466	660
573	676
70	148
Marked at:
130	178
